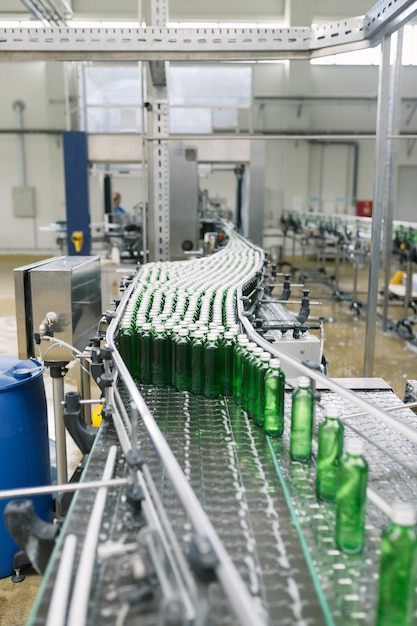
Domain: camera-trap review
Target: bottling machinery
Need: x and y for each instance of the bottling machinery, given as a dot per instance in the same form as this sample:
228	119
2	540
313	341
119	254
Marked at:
184	511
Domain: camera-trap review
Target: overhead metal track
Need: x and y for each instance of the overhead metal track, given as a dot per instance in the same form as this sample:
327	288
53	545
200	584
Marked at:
201	44
206	44
387	16
49	12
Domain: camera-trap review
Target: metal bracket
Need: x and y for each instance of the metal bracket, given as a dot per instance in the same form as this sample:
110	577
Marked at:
34	536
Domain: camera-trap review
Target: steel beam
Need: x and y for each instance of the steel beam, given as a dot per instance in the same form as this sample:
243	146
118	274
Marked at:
386	16
205	44
151	44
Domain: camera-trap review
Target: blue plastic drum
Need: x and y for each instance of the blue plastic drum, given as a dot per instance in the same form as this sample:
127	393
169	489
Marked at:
24	442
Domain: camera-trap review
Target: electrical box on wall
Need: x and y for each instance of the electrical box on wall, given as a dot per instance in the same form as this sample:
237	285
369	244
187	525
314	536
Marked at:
23	199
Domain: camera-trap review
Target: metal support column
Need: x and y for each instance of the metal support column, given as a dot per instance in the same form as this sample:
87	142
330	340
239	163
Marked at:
388	82
158	172
158	153
58	371
391	161
76	192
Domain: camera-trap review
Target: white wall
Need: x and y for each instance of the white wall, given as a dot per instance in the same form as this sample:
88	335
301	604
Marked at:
293	172
27	82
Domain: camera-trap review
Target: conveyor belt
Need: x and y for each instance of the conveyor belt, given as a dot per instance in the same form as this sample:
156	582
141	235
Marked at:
263	508
274	534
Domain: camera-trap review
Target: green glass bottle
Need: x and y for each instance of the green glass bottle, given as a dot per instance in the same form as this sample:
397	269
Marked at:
226	361
330	448
352	478
211	367
135	361
398	568
253	364
197	362
246	356
125	345
242	341
259	388
183	361
169	325
145	349
174	337
302	413
274	397
161	367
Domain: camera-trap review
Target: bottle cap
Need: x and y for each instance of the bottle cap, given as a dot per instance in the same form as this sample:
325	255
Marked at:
303	382
147	326
242	339
403	513
331	411
265	356
353	445
258	351
251	346
275	362
183	332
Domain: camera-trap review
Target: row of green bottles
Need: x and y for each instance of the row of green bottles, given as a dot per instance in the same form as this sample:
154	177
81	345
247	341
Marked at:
197	363
342	478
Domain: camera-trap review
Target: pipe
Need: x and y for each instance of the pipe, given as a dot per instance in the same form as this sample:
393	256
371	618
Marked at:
19	106
58	605
44	490
239	171
81	594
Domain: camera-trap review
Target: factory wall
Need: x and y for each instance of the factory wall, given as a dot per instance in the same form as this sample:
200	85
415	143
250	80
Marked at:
298	172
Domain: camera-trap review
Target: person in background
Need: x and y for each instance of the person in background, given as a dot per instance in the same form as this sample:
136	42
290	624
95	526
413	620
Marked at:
117	207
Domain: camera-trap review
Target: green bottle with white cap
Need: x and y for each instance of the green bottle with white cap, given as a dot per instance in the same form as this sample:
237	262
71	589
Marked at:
197	362
330	448
259	388
242	341
253	364
302	414
183	361
211	366
274	390
246	357
226	348
145	351
161	366
398	568
352	479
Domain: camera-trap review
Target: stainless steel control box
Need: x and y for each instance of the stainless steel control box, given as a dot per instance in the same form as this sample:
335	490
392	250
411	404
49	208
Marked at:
67	286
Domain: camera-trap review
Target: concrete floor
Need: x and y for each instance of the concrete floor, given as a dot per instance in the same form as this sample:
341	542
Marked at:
395	361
